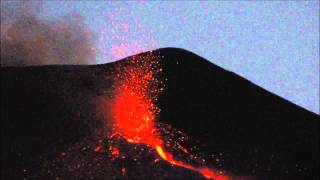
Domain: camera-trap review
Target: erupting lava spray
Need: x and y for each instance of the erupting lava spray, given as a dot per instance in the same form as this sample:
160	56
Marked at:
134	112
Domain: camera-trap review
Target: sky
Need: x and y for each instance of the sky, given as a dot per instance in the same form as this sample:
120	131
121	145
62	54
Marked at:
274	44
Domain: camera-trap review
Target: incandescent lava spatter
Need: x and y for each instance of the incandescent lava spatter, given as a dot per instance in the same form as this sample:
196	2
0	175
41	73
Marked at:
137	87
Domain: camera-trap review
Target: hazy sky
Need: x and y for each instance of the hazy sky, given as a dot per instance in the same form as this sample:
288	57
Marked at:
273	44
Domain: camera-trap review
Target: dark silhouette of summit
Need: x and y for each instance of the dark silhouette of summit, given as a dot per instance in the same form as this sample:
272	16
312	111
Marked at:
47	111
258	132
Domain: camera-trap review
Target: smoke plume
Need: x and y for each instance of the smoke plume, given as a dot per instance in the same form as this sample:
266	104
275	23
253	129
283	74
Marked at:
27	39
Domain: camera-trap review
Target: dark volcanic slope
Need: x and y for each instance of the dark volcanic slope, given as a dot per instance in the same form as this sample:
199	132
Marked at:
45	109
52	110
259	132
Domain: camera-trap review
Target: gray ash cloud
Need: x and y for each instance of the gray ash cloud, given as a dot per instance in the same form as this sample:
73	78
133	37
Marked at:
27	39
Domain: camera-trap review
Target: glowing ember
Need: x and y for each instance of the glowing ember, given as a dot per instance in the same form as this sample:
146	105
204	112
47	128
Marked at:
114	151
123	170
98	148
134	111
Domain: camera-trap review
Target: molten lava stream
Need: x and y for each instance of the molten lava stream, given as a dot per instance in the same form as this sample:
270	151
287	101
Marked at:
205	172
134	114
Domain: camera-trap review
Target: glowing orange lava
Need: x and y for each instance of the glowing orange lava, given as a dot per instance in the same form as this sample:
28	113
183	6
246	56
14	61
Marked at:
134	110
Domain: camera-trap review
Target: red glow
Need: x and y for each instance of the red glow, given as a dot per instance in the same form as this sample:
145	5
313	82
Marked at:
208	173
134	111
98	148
114	151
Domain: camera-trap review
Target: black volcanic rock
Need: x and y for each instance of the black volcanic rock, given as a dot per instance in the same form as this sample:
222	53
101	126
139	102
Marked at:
51	120
258	132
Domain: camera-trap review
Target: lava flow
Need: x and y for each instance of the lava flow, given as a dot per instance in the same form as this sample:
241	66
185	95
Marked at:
137	88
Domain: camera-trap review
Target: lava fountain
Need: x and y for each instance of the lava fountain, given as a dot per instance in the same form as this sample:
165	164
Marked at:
137	87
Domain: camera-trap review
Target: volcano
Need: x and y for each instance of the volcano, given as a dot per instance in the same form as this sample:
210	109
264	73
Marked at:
54	125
